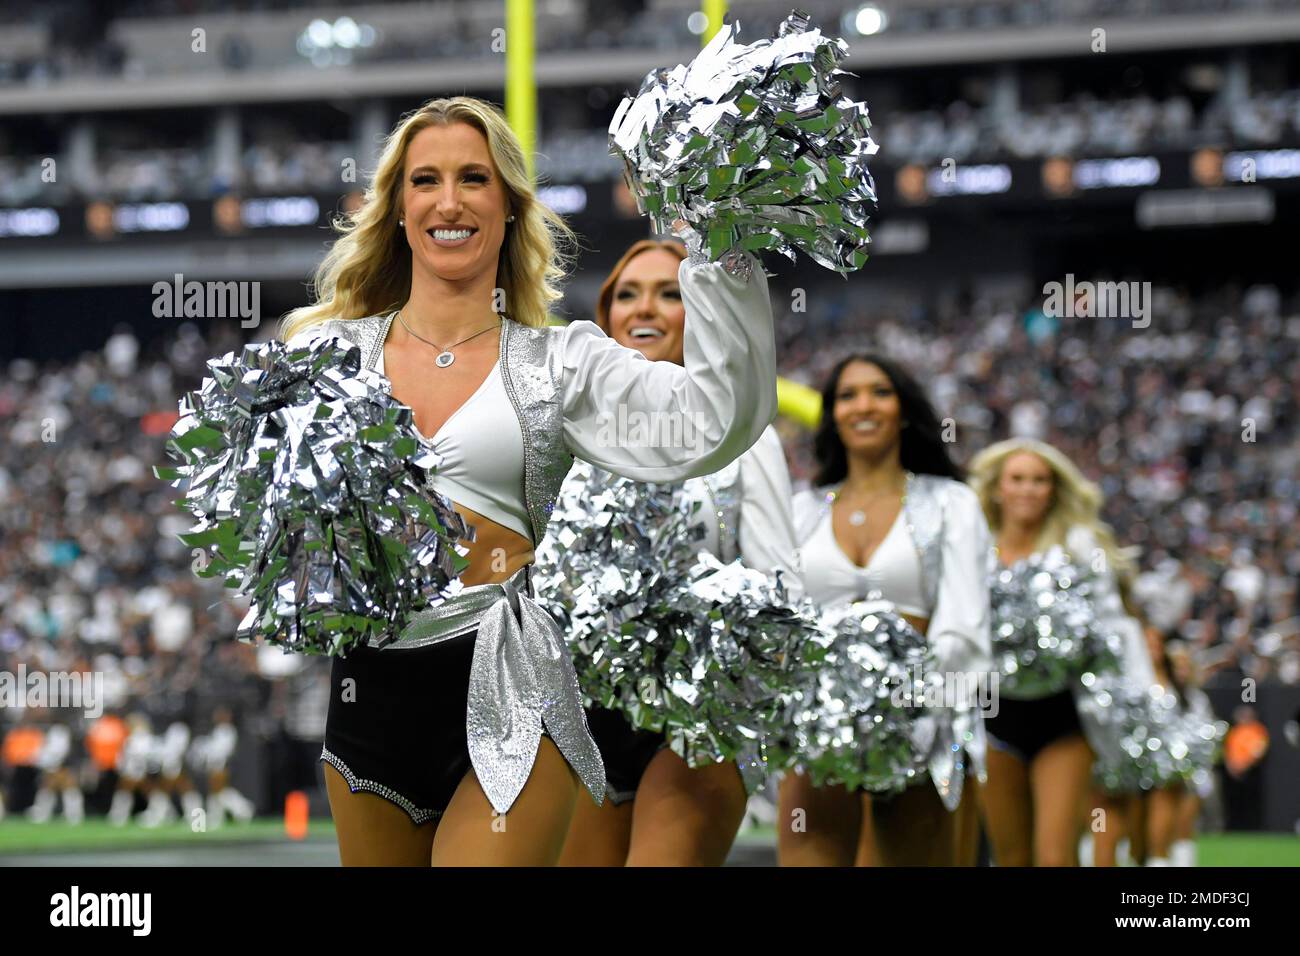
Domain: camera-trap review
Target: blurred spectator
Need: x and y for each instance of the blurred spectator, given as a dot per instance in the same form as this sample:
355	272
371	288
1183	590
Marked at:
1243	754
94	579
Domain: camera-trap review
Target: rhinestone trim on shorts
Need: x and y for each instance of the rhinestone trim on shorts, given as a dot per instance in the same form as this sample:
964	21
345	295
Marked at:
355	783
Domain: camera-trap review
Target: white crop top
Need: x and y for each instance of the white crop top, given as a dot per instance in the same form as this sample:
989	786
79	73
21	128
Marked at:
959	550
482	450
893	573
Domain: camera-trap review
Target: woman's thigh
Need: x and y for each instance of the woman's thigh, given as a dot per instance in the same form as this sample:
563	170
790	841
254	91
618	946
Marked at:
472	833
373	831
914	828
1060	776
1006	804
598	835
817	826
684	816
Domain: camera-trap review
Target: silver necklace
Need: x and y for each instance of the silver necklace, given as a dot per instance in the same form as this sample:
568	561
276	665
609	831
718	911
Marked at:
858	517
445	357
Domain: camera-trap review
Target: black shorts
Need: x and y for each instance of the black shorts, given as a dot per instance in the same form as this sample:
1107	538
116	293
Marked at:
626	752
398	728
1024	727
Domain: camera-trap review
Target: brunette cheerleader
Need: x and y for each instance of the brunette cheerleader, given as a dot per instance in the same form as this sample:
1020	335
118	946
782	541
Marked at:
890	518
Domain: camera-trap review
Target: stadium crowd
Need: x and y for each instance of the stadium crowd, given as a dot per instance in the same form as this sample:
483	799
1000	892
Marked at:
1190	427
272	161
79	40
93	579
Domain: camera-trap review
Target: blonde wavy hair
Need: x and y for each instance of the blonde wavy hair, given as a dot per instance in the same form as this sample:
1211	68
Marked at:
1075	501
368	269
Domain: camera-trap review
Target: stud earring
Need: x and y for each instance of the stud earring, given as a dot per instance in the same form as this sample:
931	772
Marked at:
401	223
510	218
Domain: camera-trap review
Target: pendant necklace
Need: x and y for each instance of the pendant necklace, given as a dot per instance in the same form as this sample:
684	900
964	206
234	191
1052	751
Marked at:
445	357
858	517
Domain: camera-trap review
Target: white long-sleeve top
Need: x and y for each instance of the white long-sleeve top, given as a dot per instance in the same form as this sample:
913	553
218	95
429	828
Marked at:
726	388
650	421
764	532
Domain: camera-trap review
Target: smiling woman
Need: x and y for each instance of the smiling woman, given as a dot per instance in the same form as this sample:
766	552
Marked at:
640	301
453	201
891	520
1041	755
663	811
474	712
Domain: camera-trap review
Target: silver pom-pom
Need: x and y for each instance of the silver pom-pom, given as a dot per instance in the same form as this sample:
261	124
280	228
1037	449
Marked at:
659	629
308	483
1204	737
1046	631
1142	737
754	147
854	721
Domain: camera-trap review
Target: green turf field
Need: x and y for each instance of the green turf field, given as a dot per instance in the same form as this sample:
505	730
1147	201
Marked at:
97	834
18	836
1248	849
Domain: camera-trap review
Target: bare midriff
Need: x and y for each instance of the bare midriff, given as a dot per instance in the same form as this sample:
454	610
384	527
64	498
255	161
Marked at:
922	624
497	552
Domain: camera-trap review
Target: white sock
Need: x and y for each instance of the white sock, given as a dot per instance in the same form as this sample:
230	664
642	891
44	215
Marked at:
43	807
1086	857
74	808
1159	861
120	811
1123	853
238	805
159	810
1183	853
191	801
216	811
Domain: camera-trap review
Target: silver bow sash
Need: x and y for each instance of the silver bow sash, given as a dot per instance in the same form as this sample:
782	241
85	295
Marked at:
956	745
521	680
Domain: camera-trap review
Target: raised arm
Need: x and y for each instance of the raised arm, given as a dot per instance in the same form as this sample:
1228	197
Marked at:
657	421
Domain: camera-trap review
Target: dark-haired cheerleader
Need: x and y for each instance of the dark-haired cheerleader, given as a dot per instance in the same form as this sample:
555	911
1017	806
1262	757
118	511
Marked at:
891	519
